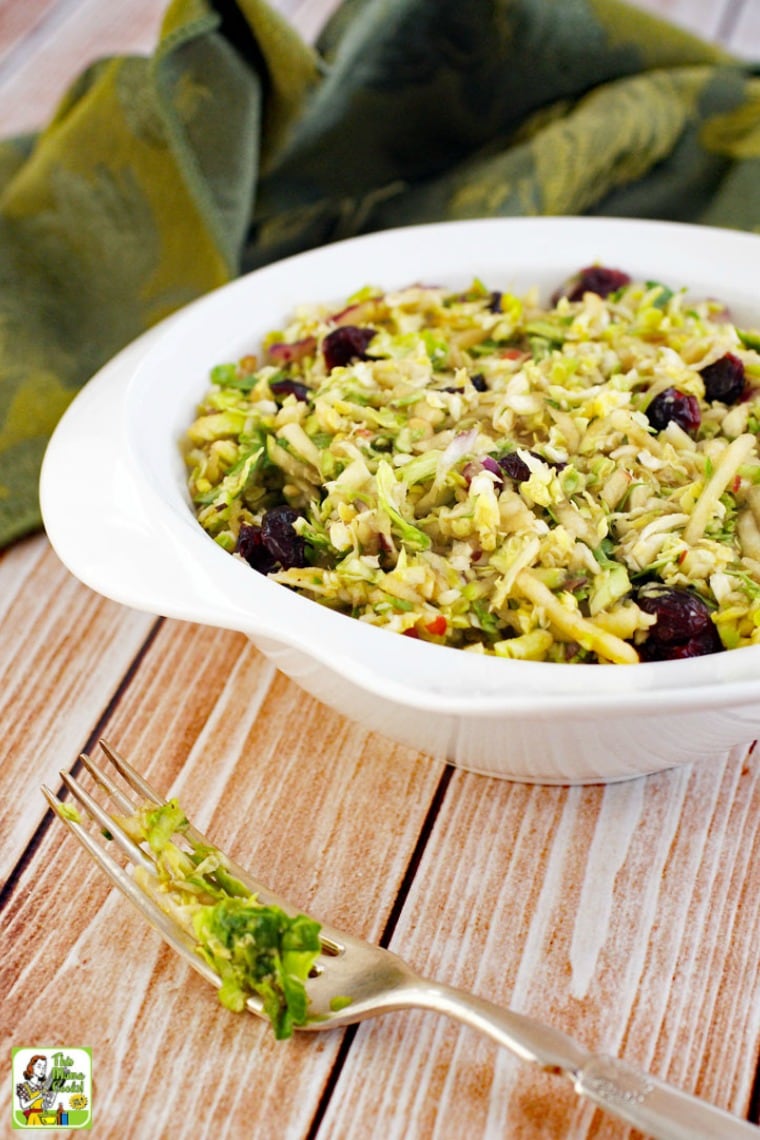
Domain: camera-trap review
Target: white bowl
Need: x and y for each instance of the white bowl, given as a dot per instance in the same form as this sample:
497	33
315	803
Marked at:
116	510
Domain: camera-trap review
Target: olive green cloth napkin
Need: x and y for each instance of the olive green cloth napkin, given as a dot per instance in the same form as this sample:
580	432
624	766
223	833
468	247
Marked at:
236	143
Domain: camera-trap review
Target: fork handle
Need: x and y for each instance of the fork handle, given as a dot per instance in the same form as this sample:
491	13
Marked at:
654	1107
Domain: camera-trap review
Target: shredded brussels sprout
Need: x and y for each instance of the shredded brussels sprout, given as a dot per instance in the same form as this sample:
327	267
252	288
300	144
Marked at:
254	948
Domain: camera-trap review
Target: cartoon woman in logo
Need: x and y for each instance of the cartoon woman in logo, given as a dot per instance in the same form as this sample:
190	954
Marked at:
34	1093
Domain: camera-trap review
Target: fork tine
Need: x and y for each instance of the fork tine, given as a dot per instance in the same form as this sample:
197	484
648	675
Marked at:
331	939
133	778
158	918
145	791
125	805
140	785
107	821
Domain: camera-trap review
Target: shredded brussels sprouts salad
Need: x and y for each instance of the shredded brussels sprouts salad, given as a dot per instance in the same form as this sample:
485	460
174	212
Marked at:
576	481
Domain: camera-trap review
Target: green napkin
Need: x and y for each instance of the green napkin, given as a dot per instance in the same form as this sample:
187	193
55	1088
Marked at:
235	144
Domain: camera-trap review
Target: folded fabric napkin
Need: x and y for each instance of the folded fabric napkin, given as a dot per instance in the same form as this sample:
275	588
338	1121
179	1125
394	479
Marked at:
236	143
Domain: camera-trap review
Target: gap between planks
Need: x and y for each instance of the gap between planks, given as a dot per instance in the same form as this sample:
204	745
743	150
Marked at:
28	853
402	895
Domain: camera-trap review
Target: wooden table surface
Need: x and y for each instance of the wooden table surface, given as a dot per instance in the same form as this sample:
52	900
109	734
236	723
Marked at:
628	915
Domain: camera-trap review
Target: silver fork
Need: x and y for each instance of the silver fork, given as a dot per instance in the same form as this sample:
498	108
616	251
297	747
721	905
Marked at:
378	981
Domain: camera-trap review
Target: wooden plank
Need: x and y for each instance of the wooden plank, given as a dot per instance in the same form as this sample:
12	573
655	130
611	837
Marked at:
44	45
309	16
63	654
18	22
325	812
39	68
628	916
744	37
273	769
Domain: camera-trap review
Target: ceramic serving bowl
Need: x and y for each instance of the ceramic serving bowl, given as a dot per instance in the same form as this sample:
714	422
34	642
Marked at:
117	451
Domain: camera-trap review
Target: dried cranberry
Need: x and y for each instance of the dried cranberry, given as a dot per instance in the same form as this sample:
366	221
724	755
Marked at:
288	387
673	404
698	646
680	612
346	343
280	538
724	379
514	466
251	547
683	628
593	279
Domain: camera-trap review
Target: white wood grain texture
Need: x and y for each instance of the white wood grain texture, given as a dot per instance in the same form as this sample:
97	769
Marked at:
629	916
309	16
744	37
285	786
44	44
19	21
40	61
284	783
63	653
